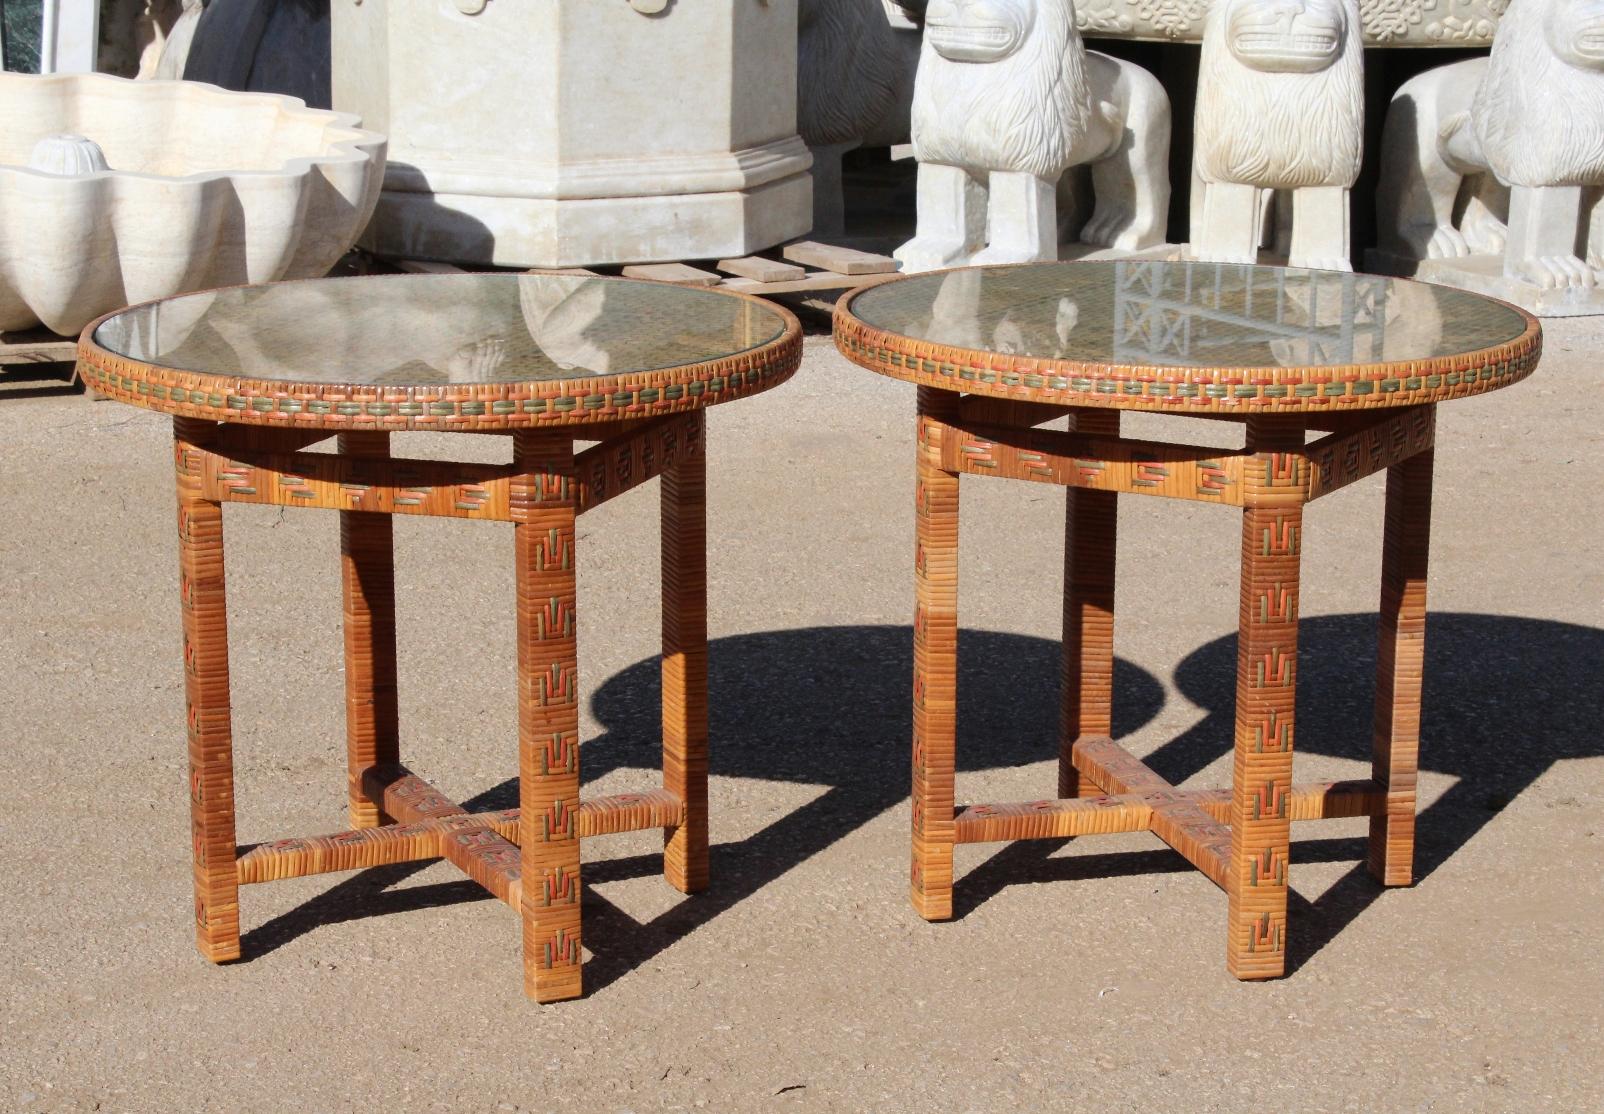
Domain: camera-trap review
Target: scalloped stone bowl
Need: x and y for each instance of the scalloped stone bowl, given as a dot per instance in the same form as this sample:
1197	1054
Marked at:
114	192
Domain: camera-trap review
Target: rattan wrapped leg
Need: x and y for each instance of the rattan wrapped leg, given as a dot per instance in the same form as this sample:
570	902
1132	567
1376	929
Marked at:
206	692
548	714
684	503
935	661
1266	698
1090	521
367	563
1400	661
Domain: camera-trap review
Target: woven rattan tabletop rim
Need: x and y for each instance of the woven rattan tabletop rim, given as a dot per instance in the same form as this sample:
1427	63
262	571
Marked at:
1184	388
488	406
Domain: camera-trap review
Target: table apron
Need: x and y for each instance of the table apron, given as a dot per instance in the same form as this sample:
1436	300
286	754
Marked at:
246	470
1199	473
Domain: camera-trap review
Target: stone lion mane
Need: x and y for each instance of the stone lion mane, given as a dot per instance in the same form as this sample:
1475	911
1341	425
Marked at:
1022	113
846	78
1540	120
1278	130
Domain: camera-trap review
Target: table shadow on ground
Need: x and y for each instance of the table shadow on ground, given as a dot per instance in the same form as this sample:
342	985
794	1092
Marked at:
1505	699
827	707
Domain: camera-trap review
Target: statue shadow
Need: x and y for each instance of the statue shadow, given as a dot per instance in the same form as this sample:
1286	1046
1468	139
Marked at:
1505	698
829	707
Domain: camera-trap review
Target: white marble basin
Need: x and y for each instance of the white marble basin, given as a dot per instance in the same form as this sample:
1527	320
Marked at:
200	187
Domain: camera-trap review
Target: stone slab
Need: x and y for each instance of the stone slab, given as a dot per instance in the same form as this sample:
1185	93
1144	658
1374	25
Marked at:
1484	274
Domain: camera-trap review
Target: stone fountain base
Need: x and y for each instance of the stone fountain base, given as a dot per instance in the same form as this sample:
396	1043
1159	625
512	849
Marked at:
571	132
480	221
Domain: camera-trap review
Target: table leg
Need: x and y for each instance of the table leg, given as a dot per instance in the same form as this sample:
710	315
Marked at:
1266	698
206	694
1087	693
935	660
684	529
1400	658
548	714
367	563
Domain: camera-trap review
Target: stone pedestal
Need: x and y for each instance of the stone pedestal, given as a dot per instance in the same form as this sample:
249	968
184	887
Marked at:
573	132
1484	274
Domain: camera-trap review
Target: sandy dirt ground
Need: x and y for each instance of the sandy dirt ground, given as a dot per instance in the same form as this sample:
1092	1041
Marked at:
1088	975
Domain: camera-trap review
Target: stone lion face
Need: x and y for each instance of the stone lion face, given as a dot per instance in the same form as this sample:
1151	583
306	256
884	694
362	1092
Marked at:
978	30
1288	36
1575	31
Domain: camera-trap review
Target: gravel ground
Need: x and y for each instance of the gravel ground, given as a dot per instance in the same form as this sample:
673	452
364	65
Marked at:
1087	975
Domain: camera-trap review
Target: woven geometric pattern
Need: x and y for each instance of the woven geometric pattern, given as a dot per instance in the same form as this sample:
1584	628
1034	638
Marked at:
676	350
240	441
1370	378
1234	339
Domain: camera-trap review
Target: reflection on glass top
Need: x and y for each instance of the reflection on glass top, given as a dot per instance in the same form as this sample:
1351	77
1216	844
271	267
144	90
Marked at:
424	330
1215	315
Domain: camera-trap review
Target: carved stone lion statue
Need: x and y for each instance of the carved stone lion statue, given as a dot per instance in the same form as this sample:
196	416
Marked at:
1505	154
1280	111
850	79
1007	97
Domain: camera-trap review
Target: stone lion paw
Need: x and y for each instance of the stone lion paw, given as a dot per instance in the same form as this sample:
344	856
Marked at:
1446	243
1107	222
1221	255
1321	263
930	253
1486	236
1556	272
996	254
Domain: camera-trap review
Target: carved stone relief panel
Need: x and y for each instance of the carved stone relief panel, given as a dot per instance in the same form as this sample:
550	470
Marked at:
1384	22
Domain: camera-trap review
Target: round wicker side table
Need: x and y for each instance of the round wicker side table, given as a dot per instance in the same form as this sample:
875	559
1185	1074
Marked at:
998	352
253	376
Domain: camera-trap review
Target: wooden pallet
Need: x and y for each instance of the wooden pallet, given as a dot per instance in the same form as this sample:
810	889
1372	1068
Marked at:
40	346
37	346
804	267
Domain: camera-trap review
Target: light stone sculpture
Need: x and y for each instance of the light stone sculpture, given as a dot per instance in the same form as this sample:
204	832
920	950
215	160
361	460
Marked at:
1280	108
560	133
171	186
846	83
1491	168
1006	99
169	64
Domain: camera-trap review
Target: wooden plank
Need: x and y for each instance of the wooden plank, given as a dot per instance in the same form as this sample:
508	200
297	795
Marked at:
426	267
757	268
813	280
583	272
677	273
37	346
843	261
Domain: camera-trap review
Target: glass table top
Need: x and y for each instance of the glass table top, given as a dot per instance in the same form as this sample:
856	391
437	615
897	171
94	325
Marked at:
425	330
1141	313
